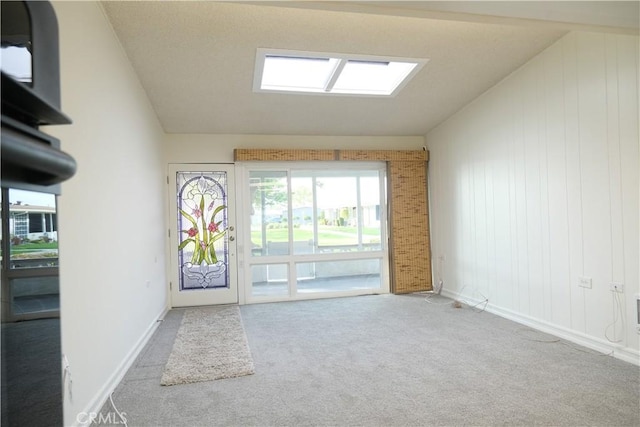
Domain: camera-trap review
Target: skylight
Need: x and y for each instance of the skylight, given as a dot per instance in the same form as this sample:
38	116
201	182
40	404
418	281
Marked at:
332	74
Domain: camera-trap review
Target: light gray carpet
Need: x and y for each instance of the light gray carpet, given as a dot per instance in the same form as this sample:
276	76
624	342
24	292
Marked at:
387	360
210	345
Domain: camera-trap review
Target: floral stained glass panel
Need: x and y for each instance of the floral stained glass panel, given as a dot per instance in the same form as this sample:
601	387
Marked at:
203	248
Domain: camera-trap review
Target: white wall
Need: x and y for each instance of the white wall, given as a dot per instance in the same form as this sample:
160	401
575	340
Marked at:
535	184
111	213
201	148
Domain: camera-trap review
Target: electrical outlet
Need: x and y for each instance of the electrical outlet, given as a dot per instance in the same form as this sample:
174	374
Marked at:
584	282
616	287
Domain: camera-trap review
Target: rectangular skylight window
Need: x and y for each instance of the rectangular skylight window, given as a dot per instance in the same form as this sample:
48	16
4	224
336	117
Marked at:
332	74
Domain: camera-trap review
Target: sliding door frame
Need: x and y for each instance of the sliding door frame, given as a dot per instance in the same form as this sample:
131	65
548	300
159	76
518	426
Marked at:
246	261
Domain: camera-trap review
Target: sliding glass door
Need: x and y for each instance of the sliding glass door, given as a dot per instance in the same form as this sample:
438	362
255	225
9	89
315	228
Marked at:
30	285
315	230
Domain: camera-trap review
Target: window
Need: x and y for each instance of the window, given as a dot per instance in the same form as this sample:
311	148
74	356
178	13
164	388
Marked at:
332	74
316	230
30	272
32	229
51	222
35	223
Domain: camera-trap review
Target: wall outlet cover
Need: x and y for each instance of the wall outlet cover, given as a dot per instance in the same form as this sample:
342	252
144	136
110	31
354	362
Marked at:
616	287
584	282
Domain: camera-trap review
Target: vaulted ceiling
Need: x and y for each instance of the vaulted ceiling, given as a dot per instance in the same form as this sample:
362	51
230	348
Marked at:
196	59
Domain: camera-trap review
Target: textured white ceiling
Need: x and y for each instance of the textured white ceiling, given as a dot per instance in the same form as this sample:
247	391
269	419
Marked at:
196	62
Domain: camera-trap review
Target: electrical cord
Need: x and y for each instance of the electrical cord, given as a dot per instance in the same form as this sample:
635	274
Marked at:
120	414
67	379
457	303
522	331
595	353
484	307
559	341
617	315
434	294
485	301
430	297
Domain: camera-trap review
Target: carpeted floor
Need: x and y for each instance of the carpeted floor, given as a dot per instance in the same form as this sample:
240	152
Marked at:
387	360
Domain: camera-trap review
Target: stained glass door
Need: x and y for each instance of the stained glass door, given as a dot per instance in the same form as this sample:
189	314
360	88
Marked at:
202	235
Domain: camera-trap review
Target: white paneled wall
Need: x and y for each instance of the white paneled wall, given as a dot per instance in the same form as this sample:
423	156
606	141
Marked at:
535	184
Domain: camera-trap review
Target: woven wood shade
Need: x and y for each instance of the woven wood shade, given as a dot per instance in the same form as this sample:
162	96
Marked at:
409	223
408	213
384	155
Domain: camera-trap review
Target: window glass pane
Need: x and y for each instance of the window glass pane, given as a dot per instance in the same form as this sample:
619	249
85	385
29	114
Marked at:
269	280
32	242
307	216
348	210
16	42
372	77
302	217
334	276
35	294
297	73
269	217
35	222
337	207
370	202
50	222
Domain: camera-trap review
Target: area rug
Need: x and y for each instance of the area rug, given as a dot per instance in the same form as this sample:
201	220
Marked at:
210	345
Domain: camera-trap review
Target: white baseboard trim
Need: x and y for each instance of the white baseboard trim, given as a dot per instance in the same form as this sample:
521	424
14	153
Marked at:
616	350
96	404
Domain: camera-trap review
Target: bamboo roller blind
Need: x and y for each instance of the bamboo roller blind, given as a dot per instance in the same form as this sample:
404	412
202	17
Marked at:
409	227
408	212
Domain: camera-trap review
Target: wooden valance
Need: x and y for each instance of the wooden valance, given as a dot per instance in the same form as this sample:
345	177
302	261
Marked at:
275	155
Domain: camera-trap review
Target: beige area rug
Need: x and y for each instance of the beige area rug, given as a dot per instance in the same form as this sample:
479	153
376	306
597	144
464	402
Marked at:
210	345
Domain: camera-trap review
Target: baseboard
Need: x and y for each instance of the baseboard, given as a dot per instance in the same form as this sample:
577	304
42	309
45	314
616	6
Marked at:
96	404
618	351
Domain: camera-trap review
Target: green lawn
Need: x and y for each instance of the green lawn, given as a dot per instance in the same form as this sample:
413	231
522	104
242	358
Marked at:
33	247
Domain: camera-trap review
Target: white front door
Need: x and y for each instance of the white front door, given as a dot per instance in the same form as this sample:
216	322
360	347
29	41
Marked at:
202	234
